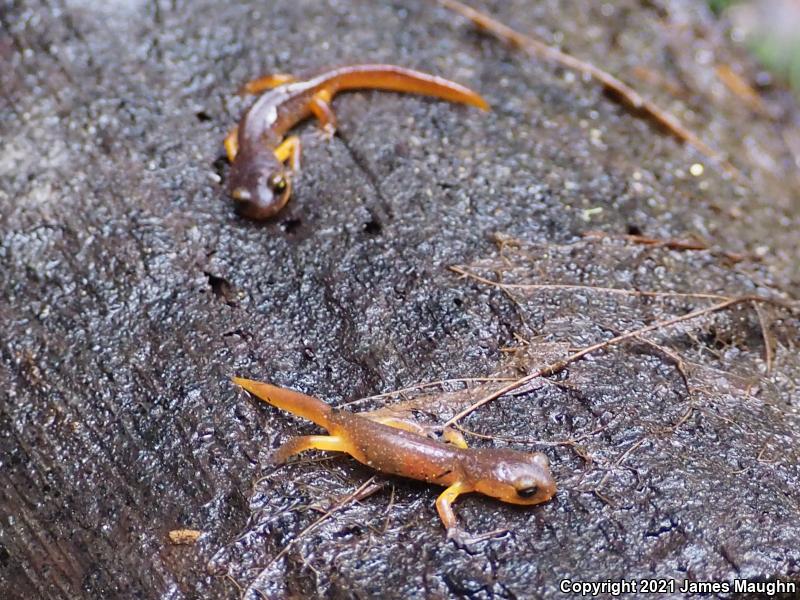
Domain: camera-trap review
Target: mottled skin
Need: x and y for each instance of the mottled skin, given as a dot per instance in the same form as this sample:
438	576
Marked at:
258	181
509	475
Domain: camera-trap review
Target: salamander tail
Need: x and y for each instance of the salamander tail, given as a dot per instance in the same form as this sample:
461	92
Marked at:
399	79
294	402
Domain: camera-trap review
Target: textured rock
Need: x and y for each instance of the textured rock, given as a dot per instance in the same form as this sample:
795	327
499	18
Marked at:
131	292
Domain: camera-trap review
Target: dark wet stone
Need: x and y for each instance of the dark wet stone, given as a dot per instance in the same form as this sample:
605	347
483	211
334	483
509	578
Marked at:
130	292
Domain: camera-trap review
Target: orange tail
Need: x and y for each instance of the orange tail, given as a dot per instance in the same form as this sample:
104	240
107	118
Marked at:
399	79
288	400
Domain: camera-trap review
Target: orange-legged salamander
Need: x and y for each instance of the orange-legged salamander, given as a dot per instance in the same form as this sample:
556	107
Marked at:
509	475
258	181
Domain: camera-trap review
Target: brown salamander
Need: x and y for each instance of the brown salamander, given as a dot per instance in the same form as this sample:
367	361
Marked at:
388	446
258	181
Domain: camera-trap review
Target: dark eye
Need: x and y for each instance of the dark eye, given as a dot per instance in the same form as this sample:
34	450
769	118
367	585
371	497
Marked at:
278	184
528	492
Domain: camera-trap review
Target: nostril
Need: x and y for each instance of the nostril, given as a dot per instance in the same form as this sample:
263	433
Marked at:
241	194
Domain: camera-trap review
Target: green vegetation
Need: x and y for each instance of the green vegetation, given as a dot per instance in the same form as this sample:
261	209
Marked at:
765	27
781	56
719	5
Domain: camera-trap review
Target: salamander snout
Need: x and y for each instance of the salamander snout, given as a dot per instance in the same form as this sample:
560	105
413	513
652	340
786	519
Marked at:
519	478
259	193
533	481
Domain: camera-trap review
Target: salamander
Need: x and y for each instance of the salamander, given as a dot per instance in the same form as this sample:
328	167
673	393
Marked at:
396	448
257	148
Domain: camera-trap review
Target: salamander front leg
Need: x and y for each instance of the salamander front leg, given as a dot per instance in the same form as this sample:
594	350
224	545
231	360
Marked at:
232	143
400	423
267	82
320	105
445	509
289	150
308	442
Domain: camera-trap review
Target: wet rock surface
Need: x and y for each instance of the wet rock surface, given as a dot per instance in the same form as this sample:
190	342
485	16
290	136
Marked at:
131	292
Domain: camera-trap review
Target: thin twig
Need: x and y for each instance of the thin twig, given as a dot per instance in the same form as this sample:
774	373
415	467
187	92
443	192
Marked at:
741	88
565	286
420	386
765	335
560	365
230	578
680	364
684	417
643	240
350	497
620	460
388	512
570	442
669	244
620	90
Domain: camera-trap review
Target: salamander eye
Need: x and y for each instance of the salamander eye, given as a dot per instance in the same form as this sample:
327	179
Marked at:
278	183
528	492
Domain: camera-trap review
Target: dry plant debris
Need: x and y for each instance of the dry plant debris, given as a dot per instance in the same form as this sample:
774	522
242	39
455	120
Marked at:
618	89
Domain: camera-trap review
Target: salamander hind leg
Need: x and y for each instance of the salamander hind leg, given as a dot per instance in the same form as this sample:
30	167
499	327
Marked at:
320	105
454	437
450	435
400	423
267	82
308	442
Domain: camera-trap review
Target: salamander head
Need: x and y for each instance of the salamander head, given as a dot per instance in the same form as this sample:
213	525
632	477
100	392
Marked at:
518	478
259	185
